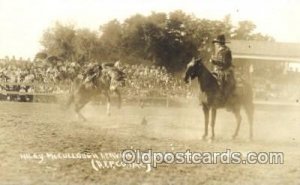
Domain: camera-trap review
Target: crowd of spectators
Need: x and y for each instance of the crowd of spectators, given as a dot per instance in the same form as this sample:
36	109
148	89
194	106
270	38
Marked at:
56	76
153	81
40	77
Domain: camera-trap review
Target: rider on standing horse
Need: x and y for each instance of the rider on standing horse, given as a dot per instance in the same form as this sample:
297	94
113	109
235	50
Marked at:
222	61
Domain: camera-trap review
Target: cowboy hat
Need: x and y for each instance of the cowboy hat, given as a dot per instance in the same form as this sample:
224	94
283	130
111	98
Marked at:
220	39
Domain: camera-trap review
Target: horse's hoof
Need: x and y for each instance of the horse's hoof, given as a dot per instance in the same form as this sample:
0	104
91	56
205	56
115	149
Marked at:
82	120
63	107
144	122
233	137
249	140
251	137
212	138
204	137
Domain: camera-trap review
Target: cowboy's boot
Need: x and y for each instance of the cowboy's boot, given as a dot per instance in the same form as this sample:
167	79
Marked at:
222	86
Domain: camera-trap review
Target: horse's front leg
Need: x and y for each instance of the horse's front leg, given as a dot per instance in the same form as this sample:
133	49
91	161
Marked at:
206	120
249	111
213	121
119	98
107	103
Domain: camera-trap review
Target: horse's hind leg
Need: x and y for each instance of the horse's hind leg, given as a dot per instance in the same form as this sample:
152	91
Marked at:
78	107
238	118
107	103
206	120
249	111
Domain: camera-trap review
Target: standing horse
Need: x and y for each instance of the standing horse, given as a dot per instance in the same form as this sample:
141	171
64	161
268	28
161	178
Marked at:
107	82
242	97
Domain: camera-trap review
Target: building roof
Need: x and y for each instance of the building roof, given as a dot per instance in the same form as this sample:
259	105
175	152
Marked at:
265	50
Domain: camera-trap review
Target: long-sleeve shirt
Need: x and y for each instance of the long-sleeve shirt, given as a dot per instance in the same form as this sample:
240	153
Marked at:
222	59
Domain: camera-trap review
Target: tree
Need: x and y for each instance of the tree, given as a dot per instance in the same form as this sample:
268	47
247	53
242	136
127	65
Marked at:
111	40
244	30
70	44
86	45
59	40
134	38
169	40
227	26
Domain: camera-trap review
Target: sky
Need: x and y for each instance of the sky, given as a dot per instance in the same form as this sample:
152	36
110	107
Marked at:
22	22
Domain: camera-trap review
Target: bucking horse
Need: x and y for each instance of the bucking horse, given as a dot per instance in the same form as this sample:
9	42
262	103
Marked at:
108	81
213	99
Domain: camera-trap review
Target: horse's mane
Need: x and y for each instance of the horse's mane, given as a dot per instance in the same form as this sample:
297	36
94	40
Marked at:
207	81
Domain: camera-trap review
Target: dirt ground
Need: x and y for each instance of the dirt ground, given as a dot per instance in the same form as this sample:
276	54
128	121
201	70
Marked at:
37	128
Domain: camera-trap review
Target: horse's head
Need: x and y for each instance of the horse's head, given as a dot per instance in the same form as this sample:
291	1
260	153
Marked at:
192	69
120	78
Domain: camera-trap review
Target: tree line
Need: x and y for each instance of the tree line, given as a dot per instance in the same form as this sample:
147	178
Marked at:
164	39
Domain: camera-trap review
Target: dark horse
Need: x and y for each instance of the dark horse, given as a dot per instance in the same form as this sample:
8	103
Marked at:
242	97
107	82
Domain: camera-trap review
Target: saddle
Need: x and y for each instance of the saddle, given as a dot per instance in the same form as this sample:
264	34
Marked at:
233	85
227	84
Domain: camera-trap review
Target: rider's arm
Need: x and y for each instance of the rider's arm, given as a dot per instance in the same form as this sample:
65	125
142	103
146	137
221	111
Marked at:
216	61
227	59
223	58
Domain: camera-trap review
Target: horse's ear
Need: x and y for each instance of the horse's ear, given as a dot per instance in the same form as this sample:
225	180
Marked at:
198	60
191	63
